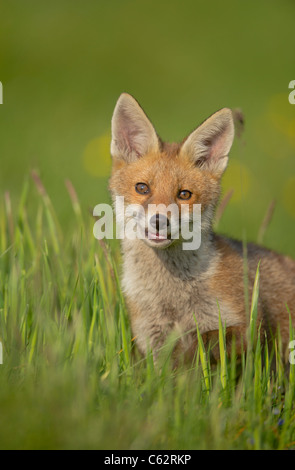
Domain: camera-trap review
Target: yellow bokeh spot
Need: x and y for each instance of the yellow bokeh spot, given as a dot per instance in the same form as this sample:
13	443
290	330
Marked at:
291	132
96	156
238	178
289	196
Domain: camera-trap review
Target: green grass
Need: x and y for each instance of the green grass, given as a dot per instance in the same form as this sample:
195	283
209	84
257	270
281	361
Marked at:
71	377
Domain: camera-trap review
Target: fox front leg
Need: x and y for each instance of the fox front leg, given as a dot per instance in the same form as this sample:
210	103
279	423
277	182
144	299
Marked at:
150	335
235	340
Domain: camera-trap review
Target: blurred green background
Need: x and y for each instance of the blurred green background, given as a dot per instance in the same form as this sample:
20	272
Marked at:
63	65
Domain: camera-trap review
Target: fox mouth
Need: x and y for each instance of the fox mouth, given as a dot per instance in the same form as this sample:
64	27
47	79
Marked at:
157	237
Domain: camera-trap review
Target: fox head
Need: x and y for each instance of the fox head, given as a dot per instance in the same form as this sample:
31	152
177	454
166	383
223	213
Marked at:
153	174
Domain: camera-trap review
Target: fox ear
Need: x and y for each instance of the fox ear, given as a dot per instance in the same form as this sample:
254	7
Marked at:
210	143
133	135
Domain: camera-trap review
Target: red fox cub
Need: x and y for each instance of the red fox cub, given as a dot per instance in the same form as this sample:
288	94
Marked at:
169	288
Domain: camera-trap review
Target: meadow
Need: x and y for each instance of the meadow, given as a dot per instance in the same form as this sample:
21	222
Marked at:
71	376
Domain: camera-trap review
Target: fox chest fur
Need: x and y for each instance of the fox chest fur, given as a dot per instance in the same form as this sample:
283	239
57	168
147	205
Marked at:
173	291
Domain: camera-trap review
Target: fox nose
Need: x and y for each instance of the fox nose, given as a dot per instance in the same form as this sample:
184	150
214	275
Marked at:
159	222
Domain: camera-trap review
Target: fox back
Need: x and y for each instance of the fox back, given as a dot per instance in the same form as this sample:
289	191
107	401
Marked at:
168	288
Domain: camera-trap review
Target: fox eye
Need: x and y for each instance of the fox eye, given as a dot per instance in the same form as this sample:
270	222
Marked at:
142	188
184	194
